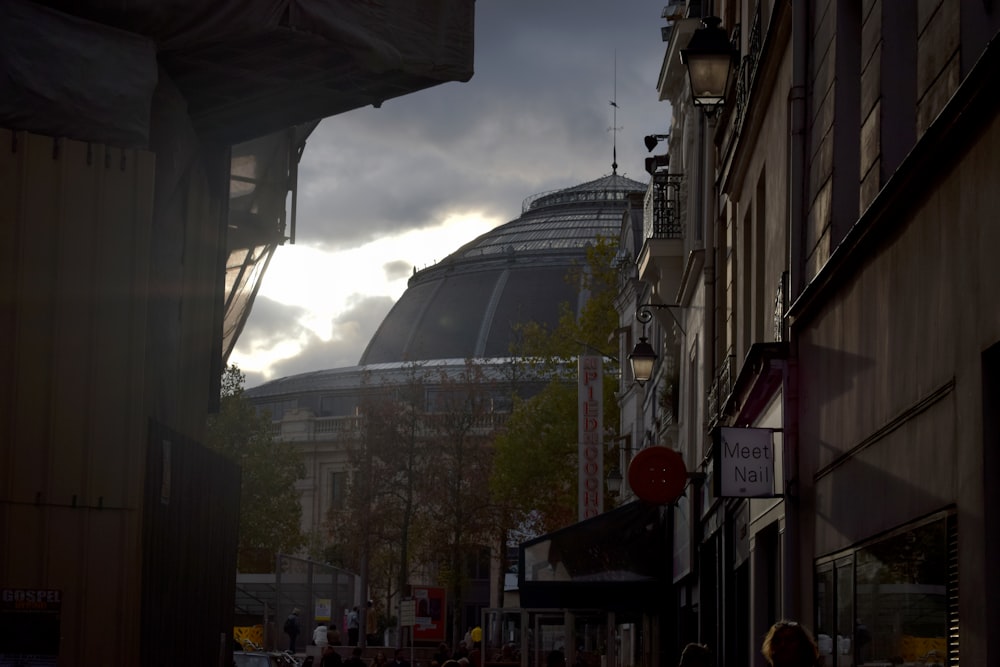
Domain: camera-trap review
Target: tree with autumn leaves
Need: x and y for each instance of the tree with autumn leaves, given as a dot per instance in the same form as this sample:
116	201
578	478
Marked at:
535	468
270	509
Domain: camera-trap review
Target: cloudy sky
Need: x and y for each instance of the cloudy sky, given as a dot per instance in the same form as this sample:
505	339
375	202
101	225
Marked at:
384	191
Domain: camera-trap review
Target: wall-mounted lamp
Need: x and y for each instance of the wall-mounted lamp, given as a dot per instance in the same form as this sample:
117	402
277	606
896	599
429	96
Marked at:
615	481
710	58
655	162
652	139
642	359
643	355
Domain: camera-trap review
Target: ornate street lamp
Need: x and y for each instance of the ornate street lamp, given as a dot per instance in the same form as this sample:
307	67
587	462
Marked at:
615	481
710	58
642	359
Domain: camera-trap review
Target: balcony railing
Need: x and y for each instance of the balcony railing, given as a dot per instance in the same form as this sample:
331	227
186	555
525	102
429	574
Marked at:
721	389
748	67
330	428
664	219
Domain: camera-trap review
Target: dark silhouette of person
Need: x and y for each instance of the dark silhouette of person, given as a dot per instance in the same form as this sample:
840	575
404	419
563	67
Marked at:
292	628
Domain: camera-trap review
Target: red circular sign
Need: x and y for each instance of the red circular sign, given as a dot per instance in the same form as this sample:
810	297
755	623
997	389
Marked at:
657	475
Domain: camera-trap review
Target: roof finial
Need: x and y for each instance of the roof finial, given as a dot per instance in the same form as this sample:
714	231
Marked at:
614	120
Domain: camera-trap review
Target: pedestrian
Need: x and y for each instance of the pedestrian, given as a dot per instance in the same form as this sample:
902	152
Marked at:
292	628
355	659
331	658
400	659
379	660
789	644
320	636
696	655
353	627
443	654
371	624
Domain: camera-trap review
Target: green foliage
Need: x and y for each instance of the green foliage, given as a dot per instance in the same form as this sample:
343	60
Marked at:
535	471
270	510
535	465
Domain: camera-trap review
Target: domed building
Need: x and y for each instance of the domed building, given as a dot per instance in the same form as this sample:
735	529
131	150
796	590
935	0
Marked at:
464	307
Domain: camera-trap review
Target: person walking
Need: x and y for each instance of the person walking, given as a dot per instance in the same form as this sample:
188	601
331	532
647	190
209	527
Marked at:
695	655
320	636
353	627
355	660
789	644
292	628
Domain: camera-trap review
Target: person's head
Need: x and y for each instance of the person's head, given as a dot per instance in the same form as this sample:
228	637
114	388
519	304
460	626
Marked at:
696	655
789	644
295	611
379	656
400	655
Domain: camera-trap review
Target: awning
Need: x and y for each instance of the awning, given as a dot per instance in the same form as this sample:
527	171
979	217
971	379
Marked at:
617	560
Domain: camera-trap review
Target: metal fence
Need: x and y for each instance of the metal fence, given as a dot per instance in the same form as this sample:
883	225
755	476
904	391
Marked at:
323	594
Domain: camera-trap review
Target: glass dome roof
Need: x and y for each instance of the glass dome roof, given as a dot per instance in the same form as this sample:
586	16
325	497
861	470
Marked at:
467	304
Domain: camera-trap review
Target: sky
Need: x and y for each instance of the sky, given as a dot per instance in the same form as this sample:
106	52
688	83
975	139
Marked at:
385	191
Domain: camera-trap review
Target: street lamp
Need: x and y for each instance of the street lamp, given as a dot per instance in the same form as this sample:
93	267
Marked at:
614	481
642	359
652	139
709	57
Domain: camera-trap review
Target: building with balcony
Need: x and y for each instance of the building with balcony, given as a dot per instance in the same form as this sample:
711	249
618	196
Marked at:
831	298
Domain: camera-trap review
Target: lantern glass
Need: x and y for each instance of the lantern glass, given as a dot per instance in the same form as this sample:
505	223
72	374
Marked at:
709	76
642	359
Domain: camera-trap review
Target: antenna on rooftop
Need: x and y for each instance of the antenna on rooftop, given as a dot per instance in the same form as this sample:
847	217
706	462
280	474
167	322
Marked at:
614	121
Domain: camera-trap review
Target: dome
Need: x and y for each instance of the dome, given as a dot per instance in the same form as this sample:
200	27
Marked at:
467	304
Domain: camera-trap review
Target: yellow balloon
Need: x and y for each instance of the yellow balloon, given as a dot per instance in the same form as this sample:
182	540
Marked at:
477	634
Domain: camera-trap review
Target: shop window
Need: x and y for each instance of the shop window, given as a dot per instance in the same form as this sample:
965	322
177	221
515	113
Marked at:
890	602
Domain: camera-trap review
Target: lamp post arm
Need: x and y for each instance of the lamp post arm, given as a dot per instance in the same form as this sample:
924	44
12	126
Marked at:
644	313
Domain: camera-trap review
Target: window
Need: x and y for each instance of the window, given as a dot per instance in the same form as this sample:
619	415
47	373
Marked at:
338	490
887	602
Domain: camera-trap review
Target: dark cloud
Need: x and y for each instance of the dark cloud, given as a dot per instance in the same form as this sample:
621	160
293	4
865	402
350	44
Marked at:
397	269
352	329
271	323
535	116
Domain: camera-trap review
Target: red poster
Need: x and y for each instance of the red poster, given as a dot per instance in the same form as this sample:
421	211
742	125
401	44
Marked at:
431	613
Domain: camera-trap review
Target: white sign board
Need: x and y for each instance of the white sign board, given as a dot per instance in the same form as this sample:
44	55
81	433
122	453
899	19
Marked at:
407	613
745	463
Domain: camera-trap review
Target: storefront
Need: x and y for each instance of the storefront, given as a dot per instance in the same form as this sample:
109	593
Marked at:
598	591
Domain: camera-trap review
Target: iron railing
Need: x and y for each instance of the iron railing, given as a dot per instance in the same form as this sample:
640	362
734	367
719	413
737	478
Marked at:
748	67
721	389
665	220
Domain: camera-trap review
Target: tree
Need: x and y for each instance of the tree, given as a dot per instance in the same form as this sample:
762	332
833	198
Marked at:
270	509
460	505
536	456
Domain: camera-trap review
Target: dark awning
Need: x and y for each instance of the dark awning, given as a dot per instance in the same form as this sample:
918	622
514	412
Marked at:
617	560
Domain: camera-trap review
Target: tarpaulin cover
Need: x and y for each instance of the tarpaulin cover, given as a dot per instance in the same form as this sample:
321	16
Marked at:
65	76
86	68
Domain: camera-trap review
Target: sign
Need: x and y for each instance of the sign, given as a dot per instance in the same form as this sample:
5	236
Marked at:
745	466
323	607
590	420
429	613
657	475
29	626
407	615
